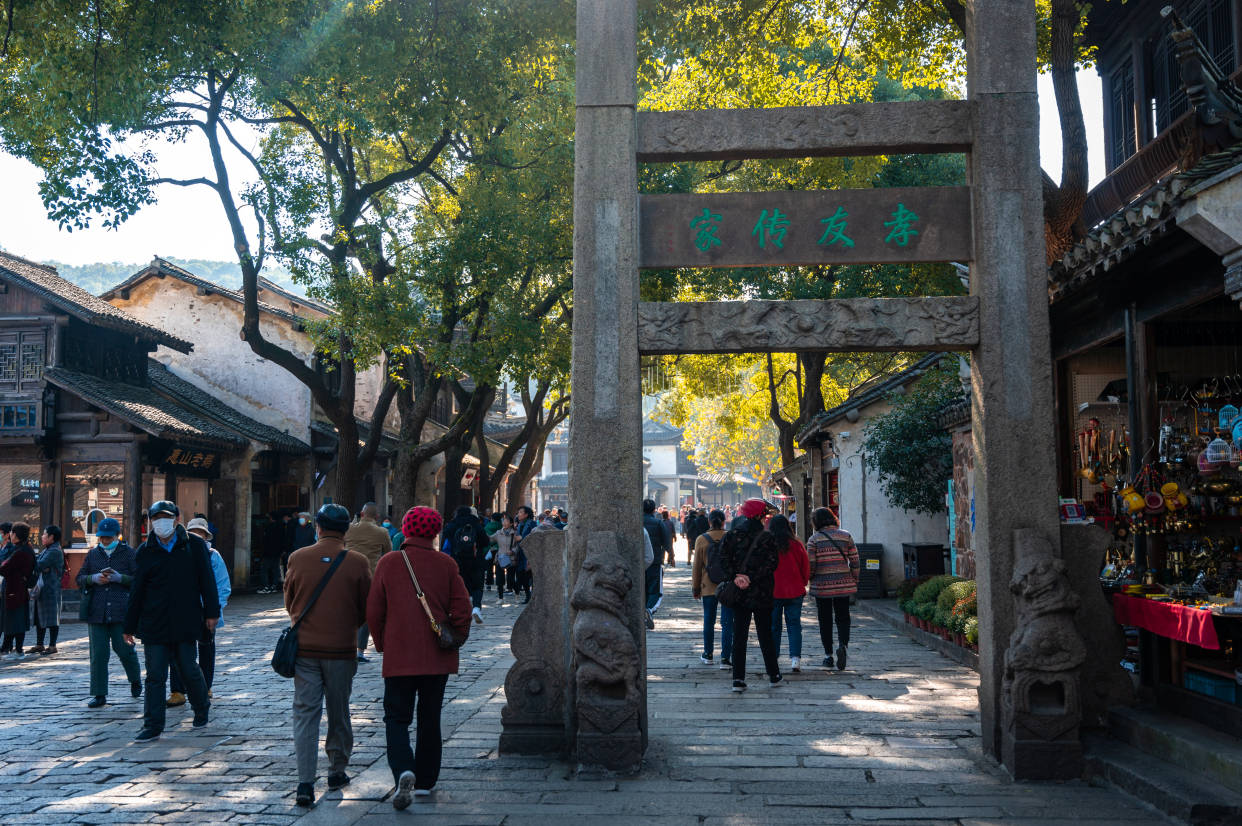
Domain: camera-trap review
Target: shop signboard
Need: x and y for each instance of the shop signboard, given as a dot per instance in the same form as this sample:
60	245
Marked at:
180	458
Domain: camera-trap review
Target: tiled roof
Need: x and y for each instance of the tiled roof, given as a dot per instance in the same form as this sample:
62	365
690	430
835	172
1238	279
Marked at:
388	443
954	414
288	295
659	433
877	393
143	408
171	385
44	282
159	266
1136	225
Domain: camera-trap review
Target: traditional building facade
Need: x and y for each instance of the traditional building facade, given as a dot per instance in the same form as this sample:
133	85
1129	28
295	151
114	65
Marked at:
93	427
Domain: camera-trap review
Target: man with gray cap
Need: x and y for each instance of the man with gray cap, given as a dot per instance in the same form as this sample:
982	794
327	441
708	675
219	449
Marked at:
106	576
174	597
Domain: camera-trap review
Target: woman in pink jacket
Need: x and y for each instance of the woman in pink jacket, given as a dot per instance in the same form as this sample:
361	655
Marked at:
416	669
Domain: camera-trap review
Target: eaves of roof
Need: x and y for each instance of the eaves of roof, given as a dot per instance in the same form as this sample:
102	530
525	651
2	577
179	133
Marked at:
877	393
146	410
44	282
1136	225
188	394
159	268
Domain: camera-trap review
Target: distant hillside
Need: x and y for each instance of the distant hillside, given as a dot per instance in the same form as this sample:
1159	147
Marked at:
96	278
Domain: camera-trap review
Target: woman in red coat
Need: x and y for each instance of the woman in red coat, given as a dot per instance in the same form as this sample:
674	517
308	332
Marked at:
16	570
416	669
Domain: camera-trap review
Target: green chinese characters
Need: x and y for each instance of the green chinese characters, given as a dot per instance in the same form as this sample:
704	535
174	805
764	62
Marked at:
772	227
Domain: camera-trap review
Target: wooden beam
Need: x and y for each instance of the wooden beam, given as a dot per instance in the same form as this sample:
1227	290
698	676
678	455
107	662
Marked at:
833	226
854	129
840	325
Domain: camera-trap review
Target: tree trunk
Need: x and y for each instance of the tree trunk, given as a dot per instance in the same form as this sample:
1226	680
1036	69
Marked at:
453	470
348	471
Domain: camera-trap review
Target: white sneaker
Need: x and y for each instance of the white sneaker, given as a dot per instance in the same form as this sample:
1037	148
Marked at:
795	663
405	791
478	616
706	660
422	792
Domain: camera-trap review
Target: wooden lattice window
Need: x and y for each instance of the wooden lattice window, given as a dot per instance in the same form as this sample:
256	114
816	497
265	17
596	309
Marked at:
1123	139
1212	22
23	354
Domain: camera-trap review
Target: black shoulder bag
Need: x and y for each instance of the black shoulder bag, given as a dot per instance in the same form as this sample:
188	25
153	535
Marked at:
727	592
285	656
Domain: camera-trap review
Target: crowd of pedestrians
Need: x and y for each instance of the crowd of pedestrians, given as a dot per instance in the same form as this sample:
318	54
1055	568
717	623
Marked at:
771	572
414	590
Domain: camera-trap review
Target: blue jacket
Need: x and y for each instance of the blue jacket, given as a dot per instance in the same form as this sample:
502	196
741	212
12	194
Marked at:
224	585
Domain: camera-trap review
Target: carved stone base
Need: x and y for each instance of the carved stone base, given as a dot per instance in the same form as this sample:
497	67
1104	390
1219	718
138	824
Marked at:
616	751
1043	759
535	719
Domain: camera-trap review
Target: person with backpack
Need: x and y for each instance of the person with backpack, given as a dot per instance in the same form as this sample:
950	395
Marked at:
20	573
706	571
792	574
834	579
749	561
467	542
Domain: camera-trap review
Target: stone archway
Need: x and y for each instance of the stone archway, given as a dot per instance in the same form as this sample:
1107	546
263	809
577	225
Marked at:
1028	694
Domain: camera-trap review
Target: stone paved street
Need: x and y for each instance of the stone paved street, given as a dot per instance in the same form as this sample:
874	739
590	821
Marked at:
892	740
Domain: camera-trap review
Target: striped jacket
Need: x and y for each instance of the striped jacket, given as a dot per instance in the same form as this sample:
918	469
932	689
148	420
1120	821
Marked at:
834	563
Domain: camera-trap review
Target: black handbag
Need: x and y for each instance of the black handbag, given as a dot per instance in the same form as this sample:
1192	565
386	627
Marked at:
727	592
285	655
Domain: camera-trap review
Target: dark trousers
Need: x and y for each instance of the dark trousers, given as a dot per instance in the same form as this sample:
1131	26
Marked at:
762	613
106	637
828	607
489	574
206	663
270	570
158	657
654	585
364	635
502	575
476	597
523	580
400	696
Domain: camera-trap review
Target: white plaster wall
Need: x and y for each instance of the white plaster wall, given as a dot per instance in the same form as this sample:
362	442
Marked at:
222	363
867	514
663	460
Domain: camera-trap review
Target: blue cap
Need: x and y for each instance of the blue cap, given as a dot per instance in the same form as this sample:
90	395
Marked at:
108	527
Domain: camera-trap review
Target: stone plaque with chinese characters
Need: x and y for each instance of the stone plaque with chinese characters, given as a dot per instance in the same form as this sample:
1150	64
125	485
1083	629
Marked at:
842	226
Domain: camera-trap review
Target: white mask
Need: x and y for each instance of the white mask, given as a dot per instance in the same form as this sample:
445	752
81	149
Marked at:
164	527
301	521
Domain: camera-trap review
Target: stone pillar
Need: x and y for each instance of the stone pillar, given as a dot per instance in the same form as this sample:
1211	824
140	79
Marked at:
605	439
535	719
1011	368
235	470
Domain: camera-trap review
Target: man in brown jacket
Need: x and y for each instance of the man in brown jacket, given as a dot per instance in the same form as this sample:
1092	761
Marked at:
369	538
327	638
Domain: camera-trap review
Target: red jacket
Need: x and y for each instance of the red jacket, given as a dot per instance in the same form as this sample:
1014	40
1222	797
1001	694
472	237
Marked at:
793	572
398	623
15	570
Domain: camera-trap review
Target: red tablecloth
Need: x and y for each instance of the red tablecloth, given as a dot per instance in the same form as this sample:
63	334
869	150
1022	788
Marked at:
1177	622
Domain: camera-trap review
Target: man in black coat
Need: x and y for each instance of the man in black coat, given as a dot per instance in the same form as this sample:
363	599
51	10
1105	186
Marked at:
172	599
466	541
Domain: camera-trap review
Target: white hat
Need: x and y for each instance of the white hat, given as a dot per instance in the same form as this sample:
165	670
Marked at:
200	524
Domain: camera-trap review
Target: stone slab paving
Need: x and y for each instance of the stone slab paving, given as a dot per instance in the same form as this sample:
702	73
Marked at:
892	740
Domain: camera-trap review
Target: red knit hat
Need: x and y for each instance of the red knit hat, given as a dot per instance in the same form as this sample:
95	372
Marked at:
754	508
421	522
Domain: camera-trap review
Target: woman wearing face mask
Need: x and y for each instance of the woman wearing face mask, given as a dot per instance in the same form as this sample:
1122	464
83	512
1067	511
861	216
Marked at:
104	581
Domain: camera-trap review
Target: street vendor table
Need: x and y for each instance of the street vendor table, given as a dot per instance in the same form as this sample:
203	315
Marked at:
1176	622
